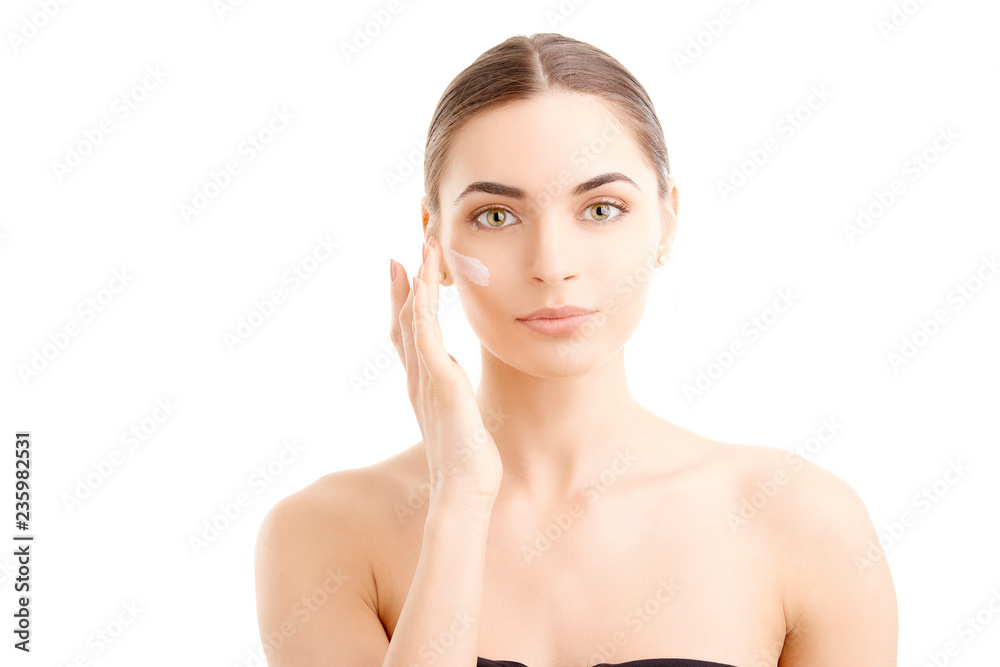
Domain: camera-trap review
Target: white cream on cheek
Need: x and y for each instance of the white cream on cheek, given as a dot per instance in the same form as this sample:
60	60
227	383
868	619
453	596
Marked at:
470	267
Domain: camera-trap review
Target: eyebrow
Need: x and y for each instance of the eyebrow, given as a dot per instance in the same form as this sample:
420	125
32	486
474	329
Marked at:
493	188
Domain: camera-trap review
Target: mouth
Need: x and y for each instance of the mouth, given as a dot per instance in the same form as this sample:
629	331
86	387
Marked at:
557	321
557	313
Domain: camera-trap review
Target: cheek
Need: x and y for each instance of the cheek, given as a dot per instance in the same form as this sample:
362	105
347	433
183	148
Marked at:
488	314
485	306
625	272
623	295
471	268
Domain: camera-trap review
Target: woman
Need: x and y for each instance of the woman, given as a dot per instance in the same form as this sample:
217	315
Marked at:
548	519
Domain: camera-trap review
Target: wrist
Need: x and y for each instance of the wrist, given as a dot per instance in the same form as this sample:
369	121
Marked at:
461	507
457	523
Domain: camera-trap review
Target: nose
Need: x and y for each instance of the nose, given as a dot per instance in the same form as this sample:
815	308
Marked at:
552	252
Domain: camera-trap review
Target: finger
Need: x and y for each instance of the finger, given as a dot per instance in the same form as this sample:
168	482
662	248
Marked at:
401	298
405	324
431	275
397	296
426	340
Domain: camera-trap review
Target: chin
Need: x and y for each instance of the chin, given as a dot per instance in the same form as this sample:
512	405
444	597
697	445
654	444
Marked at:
552	357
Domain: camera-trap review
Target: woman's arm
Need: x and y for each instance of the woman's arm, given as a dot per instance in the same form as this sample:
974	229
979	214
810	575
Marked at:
840	601
316	596
439	623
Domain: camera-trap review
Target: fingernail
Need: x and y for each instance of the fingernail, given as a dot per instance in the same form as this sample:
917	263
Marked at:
414	284
392	270
425	251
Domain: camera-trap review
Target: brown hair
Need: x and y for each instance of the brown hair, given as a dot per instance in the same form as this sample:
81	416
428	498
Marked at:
522	67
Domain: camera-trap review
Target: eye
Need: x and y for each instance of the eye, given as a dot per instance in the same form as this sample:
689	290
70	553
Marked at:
603	210
496	217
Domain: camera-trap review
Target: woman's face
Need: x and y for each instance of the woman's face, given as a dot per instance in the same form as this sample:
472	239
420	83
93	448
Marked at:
518	196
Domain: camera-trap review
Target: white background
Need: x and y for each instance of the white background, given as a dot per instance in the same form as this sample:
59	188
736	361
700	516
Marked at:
323	176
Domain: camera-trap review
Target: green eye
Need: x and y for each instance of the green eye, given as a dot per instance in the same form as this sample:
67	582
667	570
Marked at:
496	217
602	215
606	210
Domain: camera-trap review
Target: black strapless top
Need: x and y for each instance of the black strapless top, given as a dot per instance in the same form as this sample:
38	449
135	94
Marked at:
648	662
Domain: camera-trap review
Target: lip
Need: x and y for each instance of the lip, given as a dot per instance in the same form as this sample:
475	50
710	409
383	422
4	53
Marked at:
556	313
557	321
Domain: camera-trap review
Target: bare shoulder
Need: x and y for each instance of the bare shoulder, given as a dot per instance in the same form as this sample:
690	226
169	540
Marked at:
812	515
315	566
803	504
343	504
356	490
839	597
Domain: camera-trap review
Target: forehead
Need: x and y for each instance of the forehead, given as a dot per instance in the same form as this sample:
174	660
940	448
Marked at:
529	143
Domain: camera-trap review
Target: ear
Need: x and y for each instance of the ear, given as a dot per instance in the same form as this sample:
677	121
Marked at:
668	217
424	213
427	219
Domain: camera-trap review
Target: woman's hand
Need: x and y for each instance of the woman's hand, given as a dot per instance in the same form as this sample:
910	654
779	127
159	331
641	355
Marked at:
462	457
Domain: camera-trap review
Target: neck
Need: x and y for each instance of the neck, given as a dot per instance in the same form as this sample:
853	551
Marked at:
556	434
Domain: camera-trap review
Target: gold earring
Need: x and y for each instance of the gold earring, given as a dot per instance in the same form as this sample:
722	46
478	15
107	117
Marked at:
441	276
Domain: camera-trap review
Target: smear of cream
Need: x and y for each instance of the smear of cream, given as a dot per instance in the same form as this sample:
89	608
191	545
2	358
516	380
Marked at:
470	267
